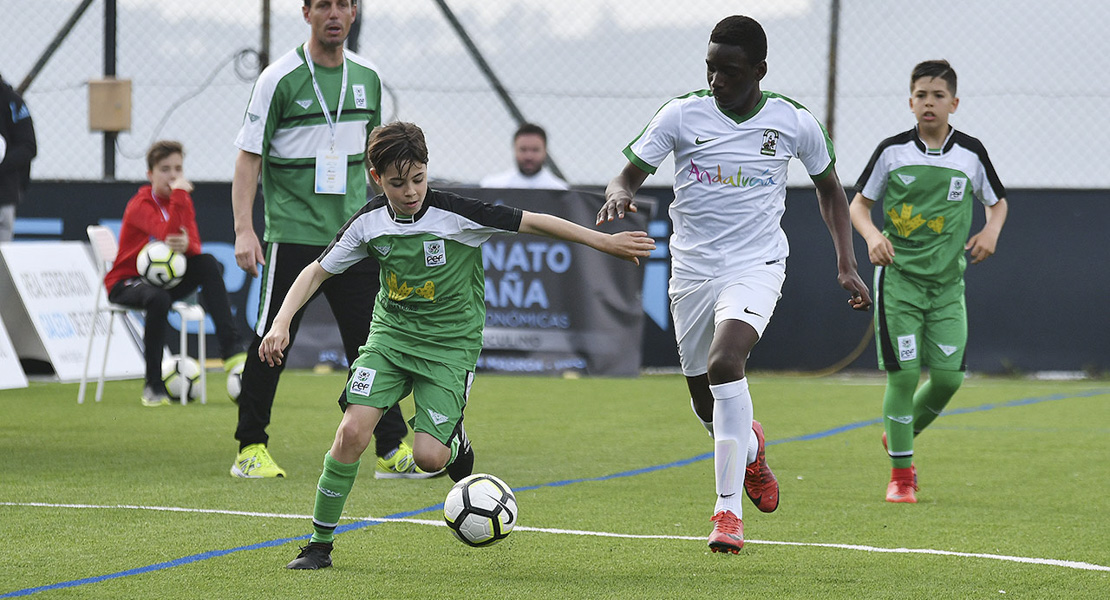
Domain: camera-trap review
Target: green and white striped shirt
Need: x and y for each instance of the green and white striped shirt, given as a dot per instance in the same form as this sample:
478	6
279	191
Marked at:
285	124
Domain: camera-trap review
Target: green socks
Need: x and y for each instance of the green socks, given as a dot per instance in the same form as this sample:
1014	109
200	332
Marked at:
331	494
898	415
907	413
930	400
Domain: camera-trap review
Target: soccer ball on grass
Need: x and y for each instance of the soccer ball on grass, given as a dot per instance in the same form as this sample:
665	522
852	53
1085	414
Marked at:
480	510
235	382
182	377
160	265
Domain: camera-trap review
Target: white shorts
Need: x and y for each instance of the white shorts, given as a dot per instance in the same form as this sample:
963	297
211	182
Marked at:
698	307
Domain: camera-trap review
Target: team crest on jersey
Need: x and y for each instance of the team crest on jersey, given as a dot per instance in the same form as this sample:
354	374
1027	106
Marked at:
956	189
435	255
303	103
383	250
360	95
770	142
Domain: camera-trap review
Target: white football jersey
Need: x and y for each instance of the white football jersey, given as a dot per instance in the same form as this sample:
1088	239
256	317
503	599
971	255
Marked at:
730	177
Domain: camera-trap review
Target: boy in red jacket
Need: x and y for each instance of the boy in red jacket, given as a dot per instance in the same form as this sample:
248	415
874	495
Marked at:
164	211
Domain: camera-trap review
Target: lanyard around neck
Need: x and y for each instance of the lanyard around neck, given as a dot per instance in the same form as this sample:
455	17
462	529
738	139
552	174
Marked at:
165	215
320	95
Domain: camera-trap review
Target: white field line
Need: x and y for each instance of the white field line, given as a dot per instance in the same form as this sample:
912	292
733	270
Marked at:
1071	564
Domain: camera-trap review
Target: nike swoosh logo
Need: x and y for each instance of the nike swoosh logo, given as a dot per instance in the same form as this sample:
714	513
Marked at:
749	311
698	141
508	511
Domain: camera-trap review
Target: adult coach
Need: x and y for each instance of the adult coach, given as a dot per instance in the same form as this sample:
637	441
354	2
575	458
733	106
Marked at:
732	144
305	131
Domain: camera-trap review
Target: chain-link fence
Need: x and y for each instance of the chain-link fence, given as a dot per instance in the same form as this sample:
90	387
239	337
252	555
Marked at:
592	72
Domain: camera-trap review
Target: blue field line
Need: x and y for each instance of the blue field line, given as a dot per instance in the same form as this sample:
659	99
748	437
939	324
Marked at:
151	568
401	515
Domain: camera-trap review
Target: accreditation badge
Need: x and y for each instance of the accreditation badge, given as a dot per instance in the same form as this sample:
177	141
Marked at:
331	173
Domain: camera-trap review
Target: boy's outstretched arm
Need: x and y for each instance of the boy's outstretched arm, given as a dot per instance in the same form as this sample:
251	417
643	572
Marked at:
627	245
620	193
982	244
834	211
271	349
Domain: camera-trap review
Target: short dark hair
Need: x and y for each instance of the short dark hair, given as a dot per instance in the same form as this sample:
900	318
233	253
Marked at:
399	144
160	150
744	32
530	129
935	68
308	3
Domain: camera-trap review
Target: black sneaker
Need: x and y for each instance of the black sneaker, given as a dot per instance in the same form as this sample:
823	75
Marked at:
313	556
463	464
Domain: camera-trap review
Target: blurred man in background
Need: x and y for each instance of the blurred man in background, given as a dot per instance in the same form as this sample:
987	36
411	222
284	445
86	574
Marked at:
530	152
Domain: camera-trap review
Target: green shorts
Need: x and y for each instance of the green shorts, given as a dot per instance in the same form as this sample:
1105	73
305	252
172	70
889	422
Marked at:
381	377
917	324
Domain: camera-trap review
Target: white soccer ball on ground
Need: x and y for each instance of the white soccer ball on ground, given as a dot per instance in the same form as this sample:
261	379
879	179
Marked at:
480	510
160	265
235	383
181	374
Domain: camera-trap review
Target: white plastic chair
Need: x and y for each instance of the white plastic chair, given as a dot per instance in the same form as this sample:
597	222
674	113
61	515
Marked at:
104	248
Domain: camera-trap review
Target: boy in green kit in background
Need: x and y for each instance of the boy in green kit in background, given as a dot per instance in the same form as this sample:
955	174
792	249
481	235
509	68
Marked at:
927	179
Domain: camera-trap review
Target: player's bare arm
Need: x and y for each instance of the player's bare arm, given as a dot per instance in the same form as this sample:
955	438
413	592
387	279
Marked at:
983	244
879	249
272	348
834	211
626	245
620	193
248	251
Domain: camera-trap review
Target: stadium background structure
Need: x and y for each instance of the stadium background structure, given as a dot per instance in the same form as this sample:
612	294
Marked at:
592	73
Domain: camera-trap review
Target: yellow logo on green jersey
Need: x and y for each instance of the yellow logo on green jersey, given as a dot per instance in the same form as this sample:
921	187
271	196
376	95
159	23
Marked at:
402	290
936	224
397	292
906	222
428	290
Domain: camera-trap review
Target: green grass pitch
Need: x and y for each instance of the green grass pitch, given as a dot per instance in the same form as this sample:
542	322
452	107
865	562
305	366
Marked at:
614	480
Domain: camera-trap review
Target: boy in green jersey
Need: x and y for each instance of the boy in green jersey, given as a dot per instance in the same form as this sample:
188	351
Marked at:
426	331
926	179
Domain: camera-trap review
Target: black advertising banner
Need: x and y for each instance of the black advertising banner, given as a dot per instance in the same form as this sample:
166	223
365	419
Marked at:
555	307
811	299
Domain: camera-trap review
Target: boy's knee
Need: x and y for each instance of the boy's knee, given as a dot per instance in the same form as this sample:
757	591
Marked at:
352	439
431	459
206	263
158	305
946	381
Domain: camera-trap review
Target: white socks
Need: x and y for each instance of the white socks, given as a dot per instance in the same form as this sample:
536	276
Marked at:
753	444
732	430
